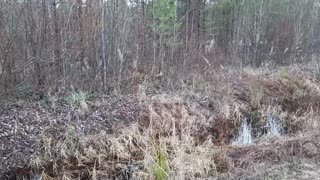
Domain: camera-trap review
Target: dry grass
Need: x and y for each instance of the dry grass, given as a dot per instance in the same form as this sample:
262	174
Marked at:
186	135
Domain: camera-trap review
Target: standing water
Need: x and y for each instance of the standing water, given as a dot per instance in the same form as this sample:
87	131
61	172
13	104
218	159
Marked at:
274	127
244	136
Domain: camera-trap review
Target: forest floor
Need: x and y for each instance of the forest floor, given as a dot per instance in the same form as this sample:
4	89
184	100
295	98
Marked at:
185	134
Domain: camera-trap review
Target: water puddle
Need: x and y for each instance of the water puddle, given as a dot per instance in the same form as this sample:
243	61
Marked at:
273	128
244	137
273	125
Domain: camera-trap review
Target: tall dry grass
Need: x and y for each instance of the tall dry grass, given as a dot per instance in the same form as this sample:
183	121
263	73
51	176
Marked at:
186	134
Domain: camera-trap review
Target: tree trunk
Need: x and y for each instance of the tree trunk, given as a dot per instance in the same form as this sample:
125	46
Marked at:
57	43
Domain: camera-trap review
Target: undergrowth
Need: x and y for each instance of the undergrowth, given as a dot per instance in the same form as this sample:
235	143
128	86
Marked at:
76	98
186	134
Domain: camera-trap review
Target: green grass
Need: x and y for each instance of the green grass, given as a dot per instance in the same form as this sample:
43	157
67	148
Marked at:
160	167
76	98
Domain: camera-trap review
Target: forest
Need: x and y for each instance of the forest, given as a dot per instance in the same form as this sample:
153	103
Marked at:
159	89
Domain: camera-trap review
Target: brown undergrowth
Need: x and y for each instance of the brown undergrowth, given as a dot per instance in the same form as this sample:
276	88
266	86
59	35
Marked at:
187	134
